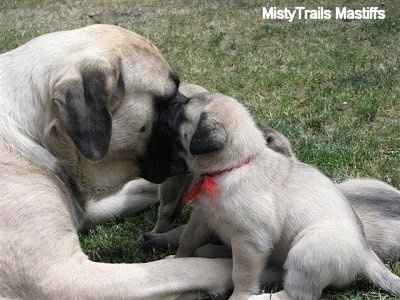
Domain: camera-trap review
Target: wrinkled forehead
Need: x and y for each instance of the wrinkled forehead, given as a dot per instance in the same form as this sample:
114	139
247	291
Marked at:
197	107
201	103
197	103
210	103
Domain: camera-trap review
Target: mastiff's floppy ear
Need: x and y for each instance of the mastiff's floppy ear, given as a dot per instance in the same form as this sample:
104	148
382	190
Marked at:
84	103
209	136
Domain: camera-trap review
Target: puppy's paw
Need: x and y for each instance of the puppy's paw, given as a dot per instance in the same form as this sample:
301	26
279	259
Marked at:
151	240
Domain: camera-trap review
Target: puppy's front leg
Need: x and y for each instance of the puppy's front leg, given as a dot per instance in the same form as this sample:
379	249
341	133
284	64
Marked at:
170	195
196	234
248	264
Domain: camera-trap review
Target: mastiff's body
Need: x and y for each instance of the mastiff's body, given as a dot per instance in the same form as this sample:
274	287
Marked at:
76	114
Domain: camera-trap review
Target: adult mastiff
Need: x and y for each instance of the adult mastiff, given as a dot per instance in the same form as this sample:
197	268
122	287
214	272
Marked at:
76	113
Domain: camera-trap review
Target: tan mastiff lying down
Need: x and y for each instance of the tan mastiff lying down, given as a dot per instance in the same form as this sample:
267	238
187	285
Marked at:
76	114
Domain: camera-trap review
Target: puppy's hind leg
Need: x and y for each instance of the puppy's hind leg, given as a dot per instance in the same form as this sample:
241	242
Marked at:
322	255
379	274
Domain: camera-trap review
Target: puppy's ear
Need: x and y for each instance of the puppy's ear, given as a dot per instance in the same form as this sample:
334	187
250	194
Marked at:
209	136
84	103
181	98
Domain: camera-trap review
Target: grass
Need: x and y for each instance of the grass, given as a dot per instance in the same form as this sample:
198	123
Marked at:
331	86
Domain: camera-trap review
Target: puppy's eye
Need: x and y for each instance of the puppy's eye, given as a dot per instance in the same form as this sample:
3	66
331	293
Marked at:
270	139
143	129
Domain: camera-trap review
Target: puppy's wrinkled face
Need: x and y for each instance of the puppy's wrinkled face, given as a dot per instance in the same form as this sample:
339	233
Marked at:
216	132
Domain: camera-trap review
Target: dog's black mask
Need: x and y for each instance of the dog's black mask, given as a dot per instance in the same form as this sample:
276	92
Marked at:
162	159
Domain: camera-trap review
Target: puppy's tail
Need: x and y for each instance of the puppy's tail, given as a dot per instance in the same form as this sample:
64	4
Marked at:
380	275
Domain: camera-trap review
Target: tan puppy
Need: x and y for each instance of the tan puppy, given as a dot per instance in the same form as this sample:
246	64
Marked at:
171	191
375	202
270	209
76	115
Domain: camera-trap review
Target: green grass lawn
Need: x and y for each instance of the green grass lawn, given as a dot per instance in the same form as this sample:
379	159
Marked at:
331	86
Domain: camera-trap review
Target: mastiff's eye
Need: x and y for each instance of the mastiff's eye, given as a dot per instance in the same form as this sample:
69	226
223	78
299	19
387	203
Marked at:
143	129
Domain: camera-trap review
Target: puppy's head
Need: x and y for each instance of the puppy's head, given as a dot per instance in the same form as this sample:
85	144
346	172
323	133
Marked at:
216	132
165	152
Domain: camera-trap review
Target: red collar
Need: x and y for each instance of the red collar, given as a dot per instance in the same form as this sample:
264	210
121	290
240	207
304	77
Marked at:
208	182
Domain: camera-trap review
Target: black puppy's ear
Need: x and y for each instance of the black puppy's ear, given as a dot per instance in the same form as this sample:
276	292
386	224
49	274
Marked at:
209	136
83	104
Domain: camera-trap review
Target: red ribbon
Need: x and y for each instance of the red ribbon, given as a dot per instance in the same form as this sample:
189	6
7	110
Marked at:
205	181
208	183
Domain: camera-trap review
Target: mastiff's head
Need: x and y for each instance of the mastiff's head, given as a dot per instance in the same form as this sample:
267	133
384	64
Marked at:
107	87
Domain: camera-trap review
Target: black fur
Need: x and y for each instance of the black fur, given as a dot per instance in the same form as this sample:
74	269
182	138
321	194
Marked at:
161	102
175	78
208	137
162	159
